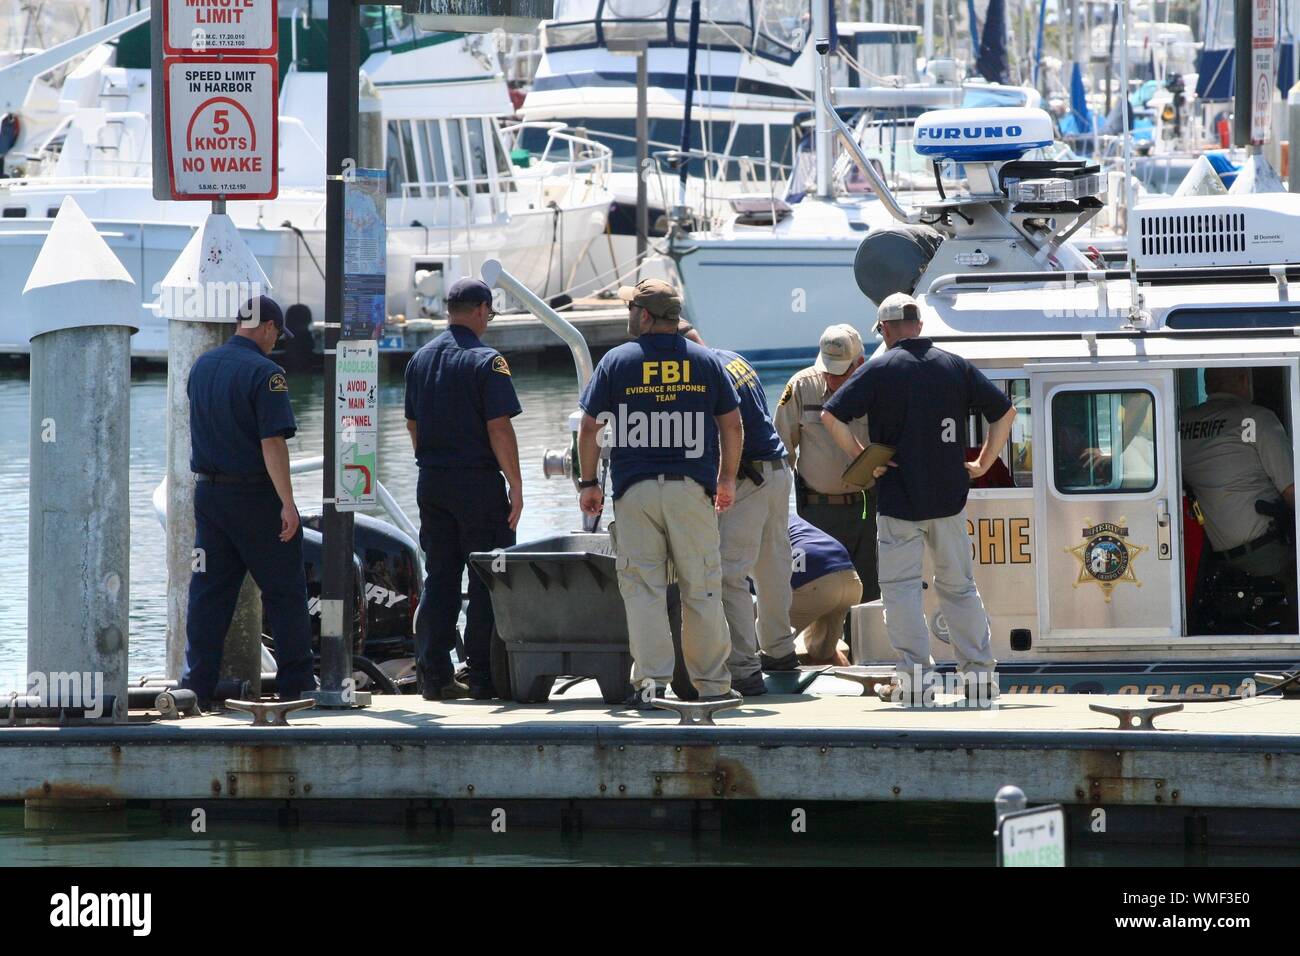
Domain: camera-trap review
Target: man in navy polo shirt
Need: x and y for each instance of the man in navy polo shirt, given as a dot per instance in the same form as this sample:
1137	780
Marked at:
459	402
917	399
825	588
675	437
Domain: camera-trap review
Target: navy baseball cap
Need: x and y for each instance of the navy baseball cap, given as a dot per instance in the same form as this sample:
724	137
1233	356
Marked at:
469	292
265	309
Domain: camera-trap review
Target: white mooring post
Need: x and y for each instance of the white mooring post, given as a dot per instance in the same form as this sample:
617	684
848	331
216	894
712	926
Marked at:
201	296
81	308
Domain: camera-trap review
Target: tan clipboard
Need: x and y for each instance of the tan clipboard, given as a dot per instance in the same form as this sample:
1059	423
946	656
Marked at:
862	470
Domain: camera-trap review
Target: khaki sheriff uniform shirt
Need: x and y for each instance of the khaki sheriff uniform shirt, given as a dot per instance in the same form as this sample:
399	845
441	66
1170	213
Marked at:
814	454
1228	471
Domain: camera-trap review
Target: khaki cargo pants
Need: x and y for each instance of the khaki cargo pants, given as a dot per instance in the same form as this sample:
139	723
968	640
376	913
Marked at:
818	611
658	521
756	544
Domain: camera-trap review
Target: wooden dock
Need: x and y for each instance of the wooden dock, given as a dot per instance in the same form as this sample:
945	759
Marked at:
1196	774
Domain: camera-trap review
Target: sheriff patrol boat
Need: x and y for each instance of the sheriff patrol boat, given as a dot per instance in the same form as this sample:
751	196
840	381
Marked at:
1092	562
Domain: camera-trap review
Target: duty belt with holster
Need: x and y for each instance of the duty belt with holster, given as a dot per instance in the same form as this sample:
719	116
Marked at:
232	479
753	470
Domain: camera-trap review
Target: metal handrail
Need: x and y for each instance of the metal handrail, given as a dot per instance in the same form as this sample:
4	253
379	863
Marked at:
496	276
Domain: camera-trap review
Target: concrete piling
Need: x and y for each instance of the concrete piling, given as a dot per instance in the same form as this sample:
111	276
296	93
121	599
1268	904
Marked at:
79	532
201	296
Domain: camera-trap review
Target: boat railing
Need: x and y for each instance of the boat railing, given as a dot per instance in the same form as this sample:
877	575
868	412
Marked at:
713	202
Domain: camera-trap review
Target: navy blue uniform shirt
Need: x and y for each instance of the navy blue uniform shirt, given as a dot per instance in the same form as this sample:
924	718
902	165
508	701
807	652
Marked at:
914	396
660	394
238	396
762	443
455	385
816	554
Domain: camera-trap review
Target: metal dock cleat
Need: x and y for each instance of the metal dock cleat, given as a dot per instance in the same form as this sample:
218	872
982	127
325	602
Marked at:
697	713
269	713
1136	718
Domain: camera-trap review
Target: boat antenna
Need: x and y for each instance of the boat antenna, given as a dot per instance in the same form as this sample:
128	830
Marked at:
684	159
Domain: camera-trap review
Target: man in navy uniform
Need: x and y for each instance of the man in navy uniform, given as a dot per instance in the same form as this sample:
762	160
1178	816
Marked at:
665	401
245	519
755	534
917	399
459	402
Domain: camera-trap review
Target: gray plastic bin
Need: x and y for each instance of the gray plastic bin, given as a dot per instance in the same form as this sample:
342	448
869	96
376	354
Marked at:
558	612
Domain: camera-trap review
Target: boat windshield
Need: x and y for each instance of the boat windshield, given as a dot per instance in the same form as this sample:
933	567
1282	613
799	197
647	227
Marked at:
772	28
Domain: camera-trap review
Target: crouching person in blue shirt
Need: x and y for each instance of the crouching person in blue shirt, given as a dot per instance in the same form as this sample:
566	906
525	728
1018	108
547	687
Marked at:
825	587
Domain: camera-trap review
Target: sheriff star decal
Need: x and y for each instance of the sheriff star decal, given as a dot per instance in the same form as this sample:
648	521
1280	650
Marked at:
278	383
1106	557
499	365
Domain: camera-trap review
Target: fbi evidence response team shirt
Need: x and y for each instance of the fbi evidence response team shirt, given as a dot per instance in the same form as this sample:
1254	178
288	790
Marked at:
659	396
917	399
238	397
455	385
762	443
1234	454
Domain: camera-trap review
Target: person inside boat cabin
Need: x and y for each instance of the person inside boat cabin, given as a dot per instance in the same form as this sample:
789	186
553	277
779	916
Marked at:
1236	453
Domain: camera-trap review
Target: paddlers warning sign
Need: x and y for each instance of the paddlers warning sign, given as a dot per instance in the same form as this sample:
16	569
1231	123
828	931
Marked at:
221	127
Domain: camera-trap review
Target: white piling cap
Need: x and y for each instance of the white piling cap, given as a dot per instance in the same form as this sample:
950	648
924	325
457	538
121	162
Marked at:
216	255
77	281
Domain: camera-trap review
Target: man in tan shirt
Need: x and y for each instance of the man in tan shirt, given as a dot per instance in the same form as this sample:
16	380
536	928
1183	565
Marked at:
845	512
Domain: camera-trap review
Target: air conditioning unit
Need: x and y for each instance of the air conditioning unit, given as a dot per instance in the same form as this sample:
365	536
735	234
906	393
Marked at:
1190	231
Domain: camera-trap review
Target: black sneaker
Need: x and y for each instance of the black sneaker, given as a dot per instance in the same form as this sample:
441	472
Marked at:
637	700
776	664
451	690
729	695
751	686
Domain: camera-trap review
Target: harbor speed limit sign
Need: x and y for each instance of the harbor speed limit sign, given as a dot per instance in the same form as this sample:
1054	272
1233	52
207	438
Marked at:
221	120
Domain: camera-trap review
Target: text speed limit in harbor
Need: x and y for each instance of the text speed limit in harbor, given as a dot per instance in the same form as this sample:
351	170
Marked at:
221	127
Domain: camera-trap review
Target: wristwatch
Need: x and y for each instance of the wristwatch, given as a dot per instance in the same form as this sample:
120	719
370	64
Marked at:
583	485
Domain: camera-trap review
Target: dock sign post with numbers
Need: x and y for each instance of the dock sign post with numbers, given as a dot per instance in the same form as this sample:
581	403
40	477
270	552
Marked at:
216	100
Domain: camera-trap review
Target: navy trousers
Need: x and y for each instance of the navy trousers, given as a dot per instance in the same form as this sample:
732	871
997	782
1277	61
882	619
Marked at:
237	529
460	512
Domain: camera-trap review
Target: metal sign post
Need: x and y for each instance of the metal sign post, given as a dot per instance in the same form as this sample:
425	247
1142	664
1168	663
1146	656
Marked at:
336	595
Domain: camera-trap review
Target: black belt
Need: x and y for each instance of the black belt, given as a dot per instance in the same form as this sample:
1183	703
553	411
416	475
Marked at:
233	479
1249	547
819	499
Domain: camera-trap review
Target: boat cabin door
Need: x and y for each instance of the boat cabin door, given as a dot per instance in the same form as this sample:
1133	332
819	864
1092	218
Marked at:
1107	500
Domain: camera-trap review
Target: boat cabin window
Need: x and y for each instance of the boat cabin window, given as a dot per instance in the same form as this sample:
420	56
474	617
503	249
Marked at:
435	164
478	154
1242	317
1103	441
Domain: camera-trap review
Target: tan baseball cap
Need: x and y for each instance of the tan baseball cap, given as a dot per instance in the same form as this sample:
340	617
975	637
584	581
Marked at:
839	349
897	307
655	296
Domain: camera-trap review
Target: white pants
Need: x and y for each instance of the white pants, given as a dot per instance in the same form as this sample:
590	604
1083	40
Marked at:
902	545
755	534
